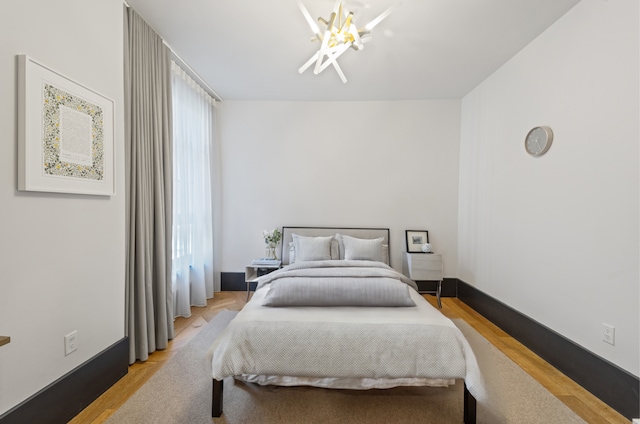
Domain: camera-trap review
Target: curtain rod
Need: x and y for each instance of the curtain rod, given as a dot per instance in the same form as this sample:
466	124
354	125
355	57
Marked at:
193	74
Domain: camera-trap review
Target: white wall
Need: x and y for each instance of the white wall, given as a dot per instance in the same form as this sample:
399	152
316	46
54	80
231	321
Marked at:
556	237
345	164
62	256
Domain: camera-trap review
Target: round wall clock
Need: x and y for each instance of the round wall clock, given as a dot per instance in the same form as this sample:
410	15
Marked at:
538	141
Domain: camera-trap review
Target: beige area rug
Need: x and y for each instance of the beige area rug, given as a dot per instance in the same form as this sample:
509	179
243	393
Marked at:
180	393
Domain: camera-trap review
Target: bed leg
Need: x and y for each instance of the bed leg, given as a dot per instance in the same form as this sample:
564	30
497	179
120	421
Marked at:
216	401
469	407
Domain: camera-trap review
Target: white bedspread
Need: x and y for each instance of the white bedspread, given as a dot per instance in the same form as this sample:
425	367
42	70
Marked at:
351	342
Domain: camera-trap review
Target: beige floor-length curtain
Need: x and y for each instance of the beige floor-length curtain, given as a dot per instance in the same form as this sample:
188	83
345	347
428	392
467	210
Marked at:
149	303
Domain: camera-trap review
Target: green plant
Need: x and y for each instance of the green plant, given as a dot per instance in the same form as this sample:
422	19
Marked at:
272	237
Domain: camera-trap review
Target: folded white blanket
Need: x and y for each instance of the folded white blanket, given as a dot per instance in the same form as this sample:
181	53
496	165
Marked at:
337	283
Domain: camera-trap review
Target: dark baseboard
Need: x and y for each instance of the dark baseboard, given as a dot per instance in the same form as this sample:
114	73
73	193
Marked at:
66	397
233	281
611	384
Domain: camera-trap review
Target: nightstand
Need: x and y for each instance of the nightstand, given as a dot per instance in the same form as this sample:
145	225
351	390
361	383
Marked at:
252	272
424	267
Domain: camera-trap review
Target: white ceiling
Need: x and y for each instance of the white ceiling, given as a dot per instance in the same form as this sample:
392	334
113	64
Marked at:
426	49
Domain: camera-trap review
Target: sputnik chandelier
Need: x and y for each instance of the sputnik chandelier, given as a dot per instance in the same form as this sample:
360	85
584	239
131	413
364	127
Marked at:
336	36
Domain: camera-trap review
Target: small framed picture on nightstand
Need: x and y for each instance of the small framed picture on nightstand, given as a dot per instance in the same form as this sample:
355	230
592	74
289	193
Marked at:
415	240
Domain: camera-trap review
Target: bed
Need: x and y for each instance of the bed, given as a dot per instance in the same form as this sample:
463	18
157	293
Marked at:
338	316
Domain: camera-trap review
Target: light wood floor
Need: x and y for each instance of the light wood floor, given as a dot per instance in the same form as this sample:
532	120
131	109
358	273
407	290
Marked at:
587	406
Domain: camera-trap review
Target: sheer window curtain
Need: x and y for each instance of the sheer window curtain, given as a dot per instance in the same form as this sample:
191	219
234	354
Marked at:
194	156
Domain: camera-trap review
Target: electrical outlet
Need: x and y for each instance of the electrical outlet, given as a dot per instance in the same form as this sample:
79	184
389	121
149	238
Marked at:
609	333
71	342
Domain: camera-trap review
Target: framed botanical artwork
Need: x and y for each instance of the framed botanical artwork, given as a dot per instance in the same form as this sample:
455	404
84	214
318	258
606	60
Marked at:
65	134
415	240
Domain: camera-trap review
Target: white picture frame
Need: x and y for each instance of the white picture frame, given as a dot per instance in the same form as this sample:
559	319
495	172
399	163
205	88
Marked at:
65	134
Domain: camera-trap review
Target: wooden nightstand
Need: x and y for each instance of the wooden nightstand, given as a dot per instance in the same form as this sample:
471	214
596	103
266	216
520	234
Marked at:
424	267
252	272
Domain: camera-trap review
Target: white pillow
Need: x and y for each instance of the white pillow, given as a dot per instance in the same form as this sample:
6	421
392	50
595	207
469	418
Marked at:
311	248
362	249
385	253
292	253
335	250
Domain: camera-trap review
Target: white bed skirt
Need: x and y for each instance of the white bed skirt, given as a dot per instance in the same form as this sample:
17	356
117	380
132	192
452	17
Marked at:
343	383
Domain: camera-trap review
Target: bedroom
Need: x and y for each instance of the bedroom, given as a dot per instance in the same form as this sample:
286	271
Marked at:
465	183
